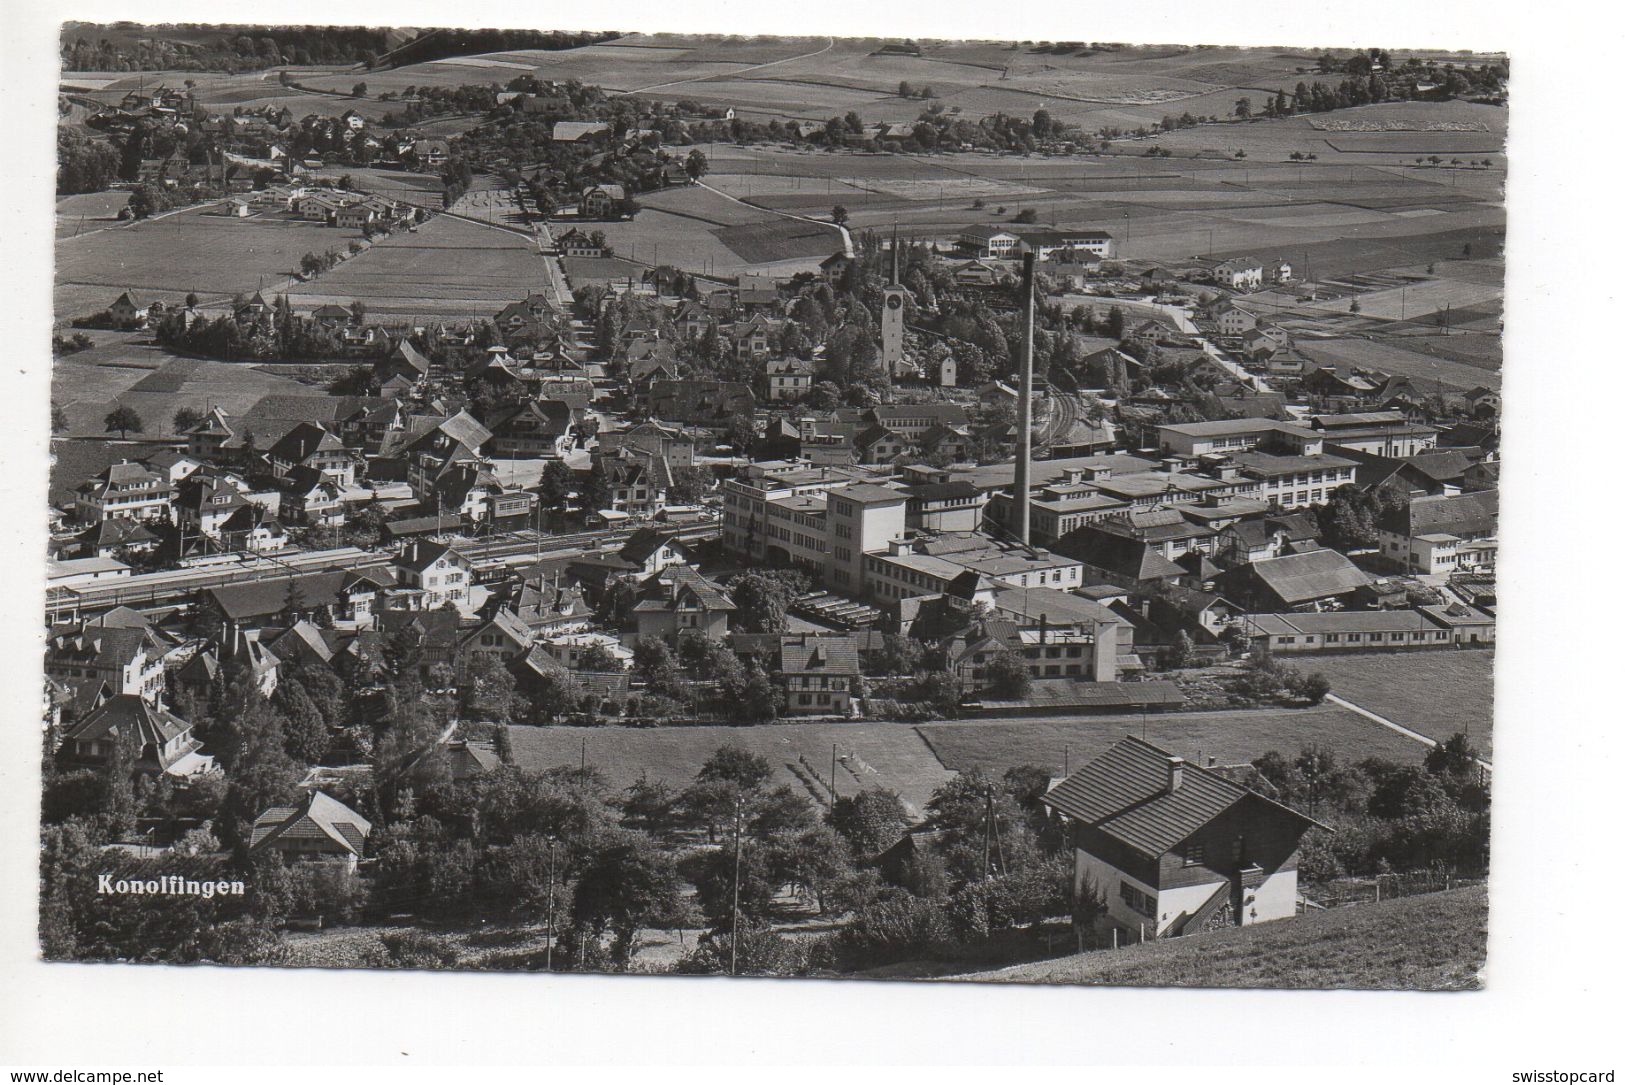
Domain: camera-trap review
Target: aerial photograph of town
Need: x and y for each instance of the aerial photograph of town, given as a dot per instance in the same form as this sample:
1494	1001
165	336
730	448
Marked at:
683	504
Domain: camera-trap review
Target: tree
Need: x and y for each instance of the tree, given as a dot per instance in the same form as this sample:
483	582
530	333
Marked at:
625	886
556	485
1244	108
1316	687
905	89
871	820
838	215
696	165
688	485
1026	215
1008	677
124	419
358	91
762	598
186	418
1178	654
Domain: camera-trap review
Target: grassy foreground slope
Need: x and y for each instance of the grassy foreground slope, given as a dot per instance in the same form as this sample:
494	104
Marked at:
1431	942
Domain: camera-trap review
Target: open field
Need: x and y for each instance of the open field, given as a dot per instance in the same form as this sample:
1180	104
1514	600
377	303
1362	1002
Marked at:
1431	942
133	373
914	761
1435	693
190	251
1235	737
448	268
1400	129
88	211
1407	358
889	755
1159	210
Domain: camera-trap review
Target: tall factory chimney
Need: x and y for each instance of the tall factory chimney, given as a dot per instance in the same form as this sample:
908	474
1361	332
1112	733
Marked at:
1024	412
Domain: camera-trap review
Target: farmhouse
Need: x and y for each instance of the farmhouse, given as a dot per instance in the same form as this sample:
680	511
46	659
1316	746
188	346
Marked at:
575	243
1172	848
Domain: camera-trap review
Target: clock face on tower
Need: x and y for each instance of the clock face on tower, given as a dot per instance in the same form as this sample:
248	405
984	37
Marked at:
894	302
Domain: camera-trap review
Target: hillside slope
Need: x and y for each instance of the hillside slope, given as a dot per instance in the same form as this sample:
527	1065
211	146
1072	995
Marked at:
1432	942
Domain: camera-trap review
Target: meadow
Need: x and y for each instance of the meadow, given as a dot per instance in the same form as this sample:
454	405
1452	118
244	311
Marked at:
125	371
915	760
448	268
1231	738
1430	942
888	755
1435	693
187	252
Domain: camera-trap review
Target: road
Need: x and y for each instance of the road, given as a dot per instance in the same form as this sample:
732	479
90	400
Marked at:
732	74
1183	322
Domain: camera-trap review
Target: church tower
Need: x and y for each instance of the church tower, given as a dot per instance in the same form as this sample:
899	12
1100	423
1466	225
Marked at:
891	317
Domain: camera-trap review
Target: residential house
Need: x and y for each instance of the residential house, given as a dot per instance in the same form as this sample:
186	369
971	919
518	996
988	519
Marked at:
788	379
575	243
157	741
534	428
1174	848
128	313
707	403
123	490
651	550
317	829
600	201
119	649
819	674
1239	274
309	444
440	573
678	599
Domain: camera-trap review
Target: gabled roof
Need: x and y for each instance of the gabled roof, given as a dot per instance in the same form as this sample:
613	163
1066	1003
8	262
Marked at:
1458	514
320	817
303	441
1302	578
818	655
126	713
645	542
1124	794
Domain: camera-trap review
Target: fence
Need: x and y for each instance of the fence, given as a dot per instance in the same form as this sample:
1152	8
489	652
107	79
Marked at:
1386	886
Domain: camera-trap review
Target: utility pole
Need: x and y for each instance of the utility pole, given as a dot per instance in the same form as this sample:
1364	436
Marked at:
1024	410
733	939
833	795
551	844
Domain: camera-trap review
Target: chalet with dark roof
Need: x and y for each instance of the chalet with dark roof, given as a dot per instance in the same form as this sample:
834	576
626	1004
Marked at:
317	829
1173	848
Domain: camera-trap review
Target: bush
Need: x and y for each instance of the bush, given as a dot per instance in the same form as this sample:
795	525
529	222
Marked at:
416	949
